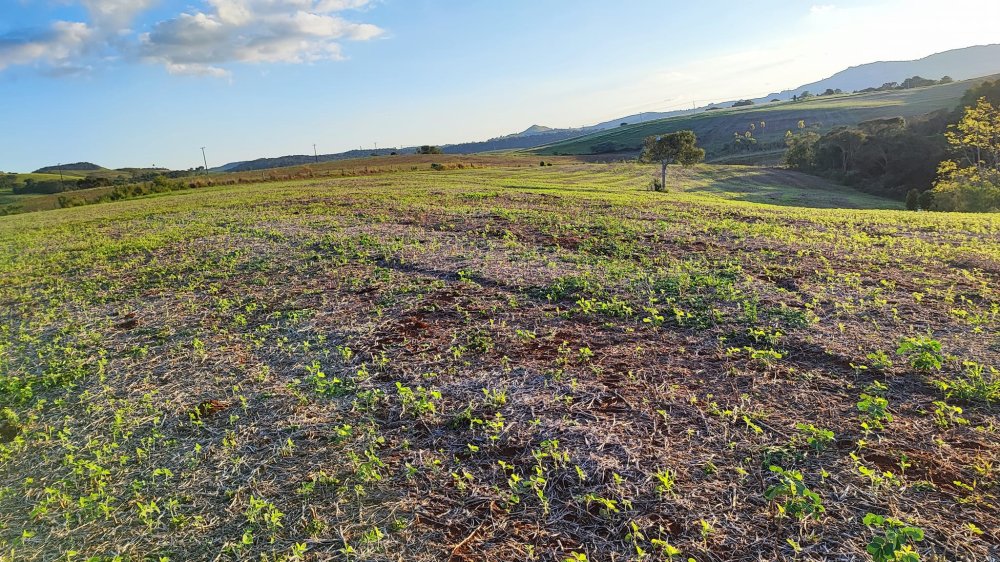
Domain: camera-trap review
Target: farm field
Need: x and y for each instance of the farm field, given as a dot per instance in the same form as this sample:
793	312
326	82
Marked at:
715	128
502	362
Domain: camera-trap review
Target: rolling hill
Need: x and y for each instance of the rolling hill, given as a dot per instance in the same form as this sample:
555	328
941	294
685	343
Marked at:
960	64
75	167
536	135
715	129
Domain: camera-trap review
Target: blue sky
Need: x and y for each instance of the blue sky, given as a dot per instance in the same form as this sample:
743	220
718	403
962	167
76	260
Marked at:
143	82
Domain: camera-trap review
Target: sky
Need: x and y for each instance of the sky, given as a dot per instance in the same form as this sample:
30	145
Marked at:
149	82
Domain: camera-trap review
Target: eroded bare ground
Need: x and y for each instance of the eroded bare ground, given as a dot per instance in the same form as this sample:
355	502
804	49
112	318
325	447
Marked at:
506	376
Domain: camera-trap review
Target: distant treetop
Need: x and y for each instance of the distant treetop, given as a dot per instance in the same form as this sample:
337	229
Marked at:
78	166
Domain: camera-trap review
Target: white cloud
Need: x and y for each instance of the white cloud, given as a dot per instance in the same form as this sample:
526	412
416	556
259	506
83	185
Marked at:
57	46
196	70
821	9
198	42
253	31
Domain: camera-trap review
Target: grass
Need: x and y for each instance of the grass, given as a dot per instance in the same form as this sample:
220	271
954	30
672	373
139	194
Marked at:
35	202
66	175
340	168
715	128
7	197
499	363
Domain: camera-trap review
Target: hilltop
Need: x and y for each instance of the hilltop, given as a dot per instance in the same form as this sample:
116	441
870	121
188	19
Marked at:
959	64
76	167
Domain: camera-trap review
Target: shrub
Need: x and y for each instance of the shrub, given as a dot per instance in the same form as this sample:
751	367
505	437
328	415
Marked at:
68	201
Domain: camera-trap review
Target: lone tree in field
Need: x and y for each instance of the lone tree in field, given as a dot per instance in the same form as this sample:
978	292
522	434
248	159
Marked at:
674	148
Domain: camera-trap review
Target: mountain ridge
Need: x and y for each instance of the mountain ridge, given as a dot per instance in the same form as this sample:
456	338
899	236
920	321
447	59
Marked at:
960	64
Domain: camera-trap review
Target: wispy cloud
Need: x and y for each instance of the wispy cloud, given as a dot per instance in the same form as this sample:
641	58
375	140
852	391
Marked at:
821	9
200	42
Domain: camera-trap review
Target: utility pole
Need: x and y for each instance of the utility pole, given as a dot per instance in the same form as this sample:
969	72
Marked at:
60	173
204	159
315	155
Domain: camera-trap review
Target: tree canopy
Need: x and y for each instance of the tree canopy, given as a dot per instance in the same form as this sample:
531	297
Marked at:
971	180
673	148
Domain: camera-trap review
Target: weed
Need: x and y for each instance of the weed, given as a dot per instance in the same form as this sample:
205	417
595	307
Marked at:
946	415
875	412
420	402
923	353
793	497
895	543
817	438
976	383
264	515
666	481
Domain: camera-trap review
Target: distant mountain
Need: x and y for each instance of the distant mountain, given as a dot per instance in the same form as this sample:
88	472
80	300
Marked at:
960	64
535	130
637	118
77	167
534	136
299	160
513	142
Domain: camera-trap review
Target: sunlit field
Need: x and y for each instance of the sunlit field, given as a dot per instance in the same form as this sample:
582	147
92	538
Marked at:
500	363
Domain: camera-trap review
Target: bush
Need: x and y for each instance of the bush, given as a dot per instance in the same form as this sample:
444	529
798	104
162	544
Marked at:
47	187
912	200
436	166
66	201
927	200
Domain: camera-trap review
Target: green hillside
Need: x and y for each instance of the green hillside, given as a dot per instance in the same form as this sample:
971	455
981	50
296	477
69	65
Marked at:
715	129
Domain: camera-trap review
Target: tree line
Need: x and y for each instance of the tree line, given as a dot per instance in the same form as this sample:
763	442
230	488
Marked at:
947	160
31	186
